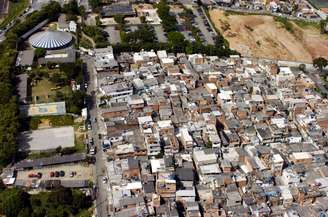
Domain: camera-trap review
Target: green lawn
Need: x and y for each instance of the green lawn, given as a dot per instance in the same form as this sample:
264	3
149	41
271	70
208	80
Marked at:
15	9
79	143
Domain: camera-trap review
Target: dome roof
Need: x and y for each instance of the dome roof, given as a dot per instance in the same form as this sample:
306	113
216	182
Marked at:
50	39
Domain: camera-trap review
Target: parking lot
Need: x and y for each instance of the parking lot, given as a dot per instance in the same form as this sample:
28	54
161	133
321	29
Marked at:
114	35
82	172
160	33
203	25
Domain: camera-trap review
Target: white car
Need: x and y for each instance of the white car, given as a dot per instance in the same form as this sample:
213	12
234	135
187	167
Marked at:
104	179
92	151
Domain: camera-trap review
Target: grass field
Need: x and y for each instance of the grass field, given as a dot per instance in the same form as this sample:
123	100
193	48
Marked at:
42	92
15	9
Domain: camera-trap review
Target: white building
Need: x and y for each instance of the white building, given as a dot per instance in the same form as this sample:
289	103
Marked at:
72	26
119	92
186	139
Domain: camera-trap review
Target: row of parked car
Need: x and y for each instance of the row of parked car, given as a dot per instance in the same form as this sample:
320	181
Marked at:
60	173
57	173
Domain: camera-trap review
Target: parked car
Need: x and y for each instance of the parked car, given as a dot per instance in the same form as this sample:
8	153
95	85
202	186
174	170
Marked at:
92	151
62	173
56	174
51	174
72	174
104	179
35	175
91	142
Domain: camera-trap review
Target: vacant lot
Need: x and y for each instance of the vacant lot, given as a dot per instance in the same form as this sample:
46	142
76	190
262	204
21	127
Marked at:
45	91
262	36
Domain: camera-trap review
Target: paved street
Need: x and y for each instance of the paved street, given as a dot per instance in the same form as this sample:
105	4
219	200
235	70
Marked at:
318	81
100	171
160	33
265	12
2	37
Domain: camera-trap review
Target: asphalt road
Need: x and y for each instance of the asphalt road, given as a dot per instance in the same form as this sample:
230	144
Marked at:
265	12
100	170
318	81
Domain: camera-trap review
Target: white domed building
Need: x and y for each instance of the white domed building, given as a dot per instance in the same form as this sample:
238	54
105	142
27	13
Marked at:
50	39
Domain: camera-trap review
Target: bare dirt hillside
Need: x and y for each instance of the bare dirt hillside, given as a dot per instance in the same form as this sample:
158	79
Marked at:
262	36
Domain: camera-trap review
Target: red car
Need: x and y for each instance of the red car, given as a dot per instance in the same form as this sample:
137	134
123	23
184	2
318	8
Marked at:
35	175
32	175
52	174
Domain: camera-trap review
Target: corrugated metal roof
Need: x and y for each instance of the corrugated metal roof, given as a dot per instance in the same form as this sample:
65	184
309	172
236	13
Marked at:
50	161
50	39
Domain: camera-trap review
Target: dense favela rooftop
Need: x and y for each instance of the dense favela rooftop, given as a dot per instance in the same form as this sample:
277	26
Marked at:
248	137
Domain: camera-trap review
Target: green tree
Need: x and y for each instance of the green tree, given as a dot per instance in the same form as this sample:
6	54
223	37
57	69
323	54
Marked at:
94	3
61	196
13	201
38	211
82	11
8	101
323	26
76	102
168	21
26	212
71	8
39	52
320	63
302	67
98	22
119	19
176	41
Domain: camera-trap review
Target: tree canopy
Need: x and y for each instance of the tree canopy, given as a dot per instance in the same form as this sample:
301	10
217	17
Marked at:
71	8
94	3
57	203
320	63
176	41
168	20
39	52
8	100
